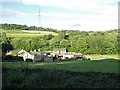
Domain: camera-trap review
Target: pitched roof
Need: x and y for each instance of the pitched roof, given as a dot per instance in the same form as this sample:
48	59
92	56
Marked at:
59	49
36	53
21	51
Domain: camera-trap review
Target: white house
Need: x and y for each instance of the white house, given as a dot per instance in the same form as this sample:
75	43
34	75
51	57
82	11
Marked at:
21	52
59	51
67	56
33	56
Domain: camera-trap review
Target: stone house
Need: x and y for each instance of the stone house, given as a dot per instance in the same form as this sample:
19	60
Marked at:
33	56
48	58
59	51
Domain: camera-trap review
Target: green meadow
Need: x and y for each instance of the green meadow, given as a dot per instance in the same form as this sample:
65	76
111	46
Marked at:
63	74
104	65
99	57
26	33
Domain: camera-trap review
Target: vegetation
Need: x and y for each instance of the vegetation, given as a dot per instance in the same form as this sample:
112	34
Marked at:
5	42
76	41
65	74
99	72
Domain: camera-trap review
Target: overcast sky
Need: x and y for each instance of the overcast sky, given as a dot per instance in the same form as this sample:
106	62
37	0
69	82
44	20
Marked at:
87	15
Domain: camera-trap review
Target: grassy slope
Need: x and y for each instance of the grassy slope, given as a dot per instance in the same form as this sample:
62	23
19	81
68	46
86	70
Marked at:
25	33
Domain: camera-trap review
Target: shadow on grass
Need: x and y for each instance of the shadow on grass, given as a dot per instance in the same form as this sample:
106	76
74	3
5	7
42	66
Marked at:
41	78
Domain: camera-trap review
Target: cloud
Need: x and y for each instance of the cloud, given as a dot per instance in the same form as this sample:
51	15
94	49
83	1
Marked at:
75	25
105	15
93	8
10	0
8	13
86	5
99	15
67	15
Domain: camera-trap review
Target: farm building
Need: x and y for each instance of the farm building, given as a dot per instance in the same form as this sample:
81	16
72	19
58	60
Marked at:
71	55
59	51
48	58
65	56
21	52
33	56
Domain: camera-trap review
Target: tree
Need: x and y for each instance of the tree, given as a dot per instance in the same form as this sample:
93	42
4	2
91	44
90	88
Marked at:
4	38
48	37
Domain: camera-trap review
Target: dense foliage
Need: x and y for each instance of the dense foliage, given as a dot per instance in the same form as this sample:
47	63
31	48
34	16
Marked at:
5	42
99	42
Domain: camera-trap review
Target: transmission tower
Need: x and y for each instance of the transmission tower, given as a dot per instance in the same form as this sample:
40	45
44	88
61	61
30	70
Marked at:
39	26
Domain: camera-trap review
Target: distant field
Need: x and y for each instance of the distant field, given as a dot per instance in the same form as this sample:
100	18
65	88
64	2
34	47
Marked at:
25	33
99	57
40	32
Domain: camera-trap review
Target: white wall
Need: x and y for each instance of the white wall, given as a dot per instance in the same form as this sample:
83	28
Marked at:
67	56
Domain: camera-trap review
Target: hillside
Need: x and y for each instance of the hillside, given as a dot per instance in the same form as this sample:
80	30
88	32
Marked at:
99	42
24	27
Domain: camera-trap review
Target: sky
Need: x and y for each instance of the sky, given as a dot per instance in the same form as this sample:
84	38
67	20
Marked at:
83	15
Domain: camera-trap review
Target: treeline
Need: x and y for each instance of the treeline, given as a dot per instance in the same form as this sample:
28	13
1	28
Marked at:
6	26
98	42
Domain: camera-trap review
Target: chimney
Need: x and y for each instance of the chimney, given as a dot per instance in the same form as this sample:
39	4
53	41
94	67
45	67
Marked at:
35	50
39	50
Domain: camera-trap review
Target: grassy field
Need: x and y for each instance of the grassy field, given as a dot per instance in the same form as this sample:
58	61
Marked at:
105	66
25	33
64	74
99	57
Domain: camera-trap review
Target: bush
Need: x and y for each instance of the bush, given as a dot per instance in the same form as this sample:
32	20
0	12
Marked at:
11	58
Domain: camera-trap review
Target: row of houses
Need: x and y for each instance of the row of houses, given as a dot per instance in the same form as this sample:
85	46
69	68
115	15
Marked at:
55	55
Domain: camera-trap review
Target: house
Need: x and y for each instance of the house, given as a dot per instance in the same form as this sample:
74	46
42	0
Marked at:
69	56
59	51
34	56
77	55
48	58
21	52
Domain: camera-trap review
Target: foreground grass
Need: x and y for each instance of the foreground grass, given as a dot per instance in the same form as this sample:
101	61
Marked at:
64	74
40	78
